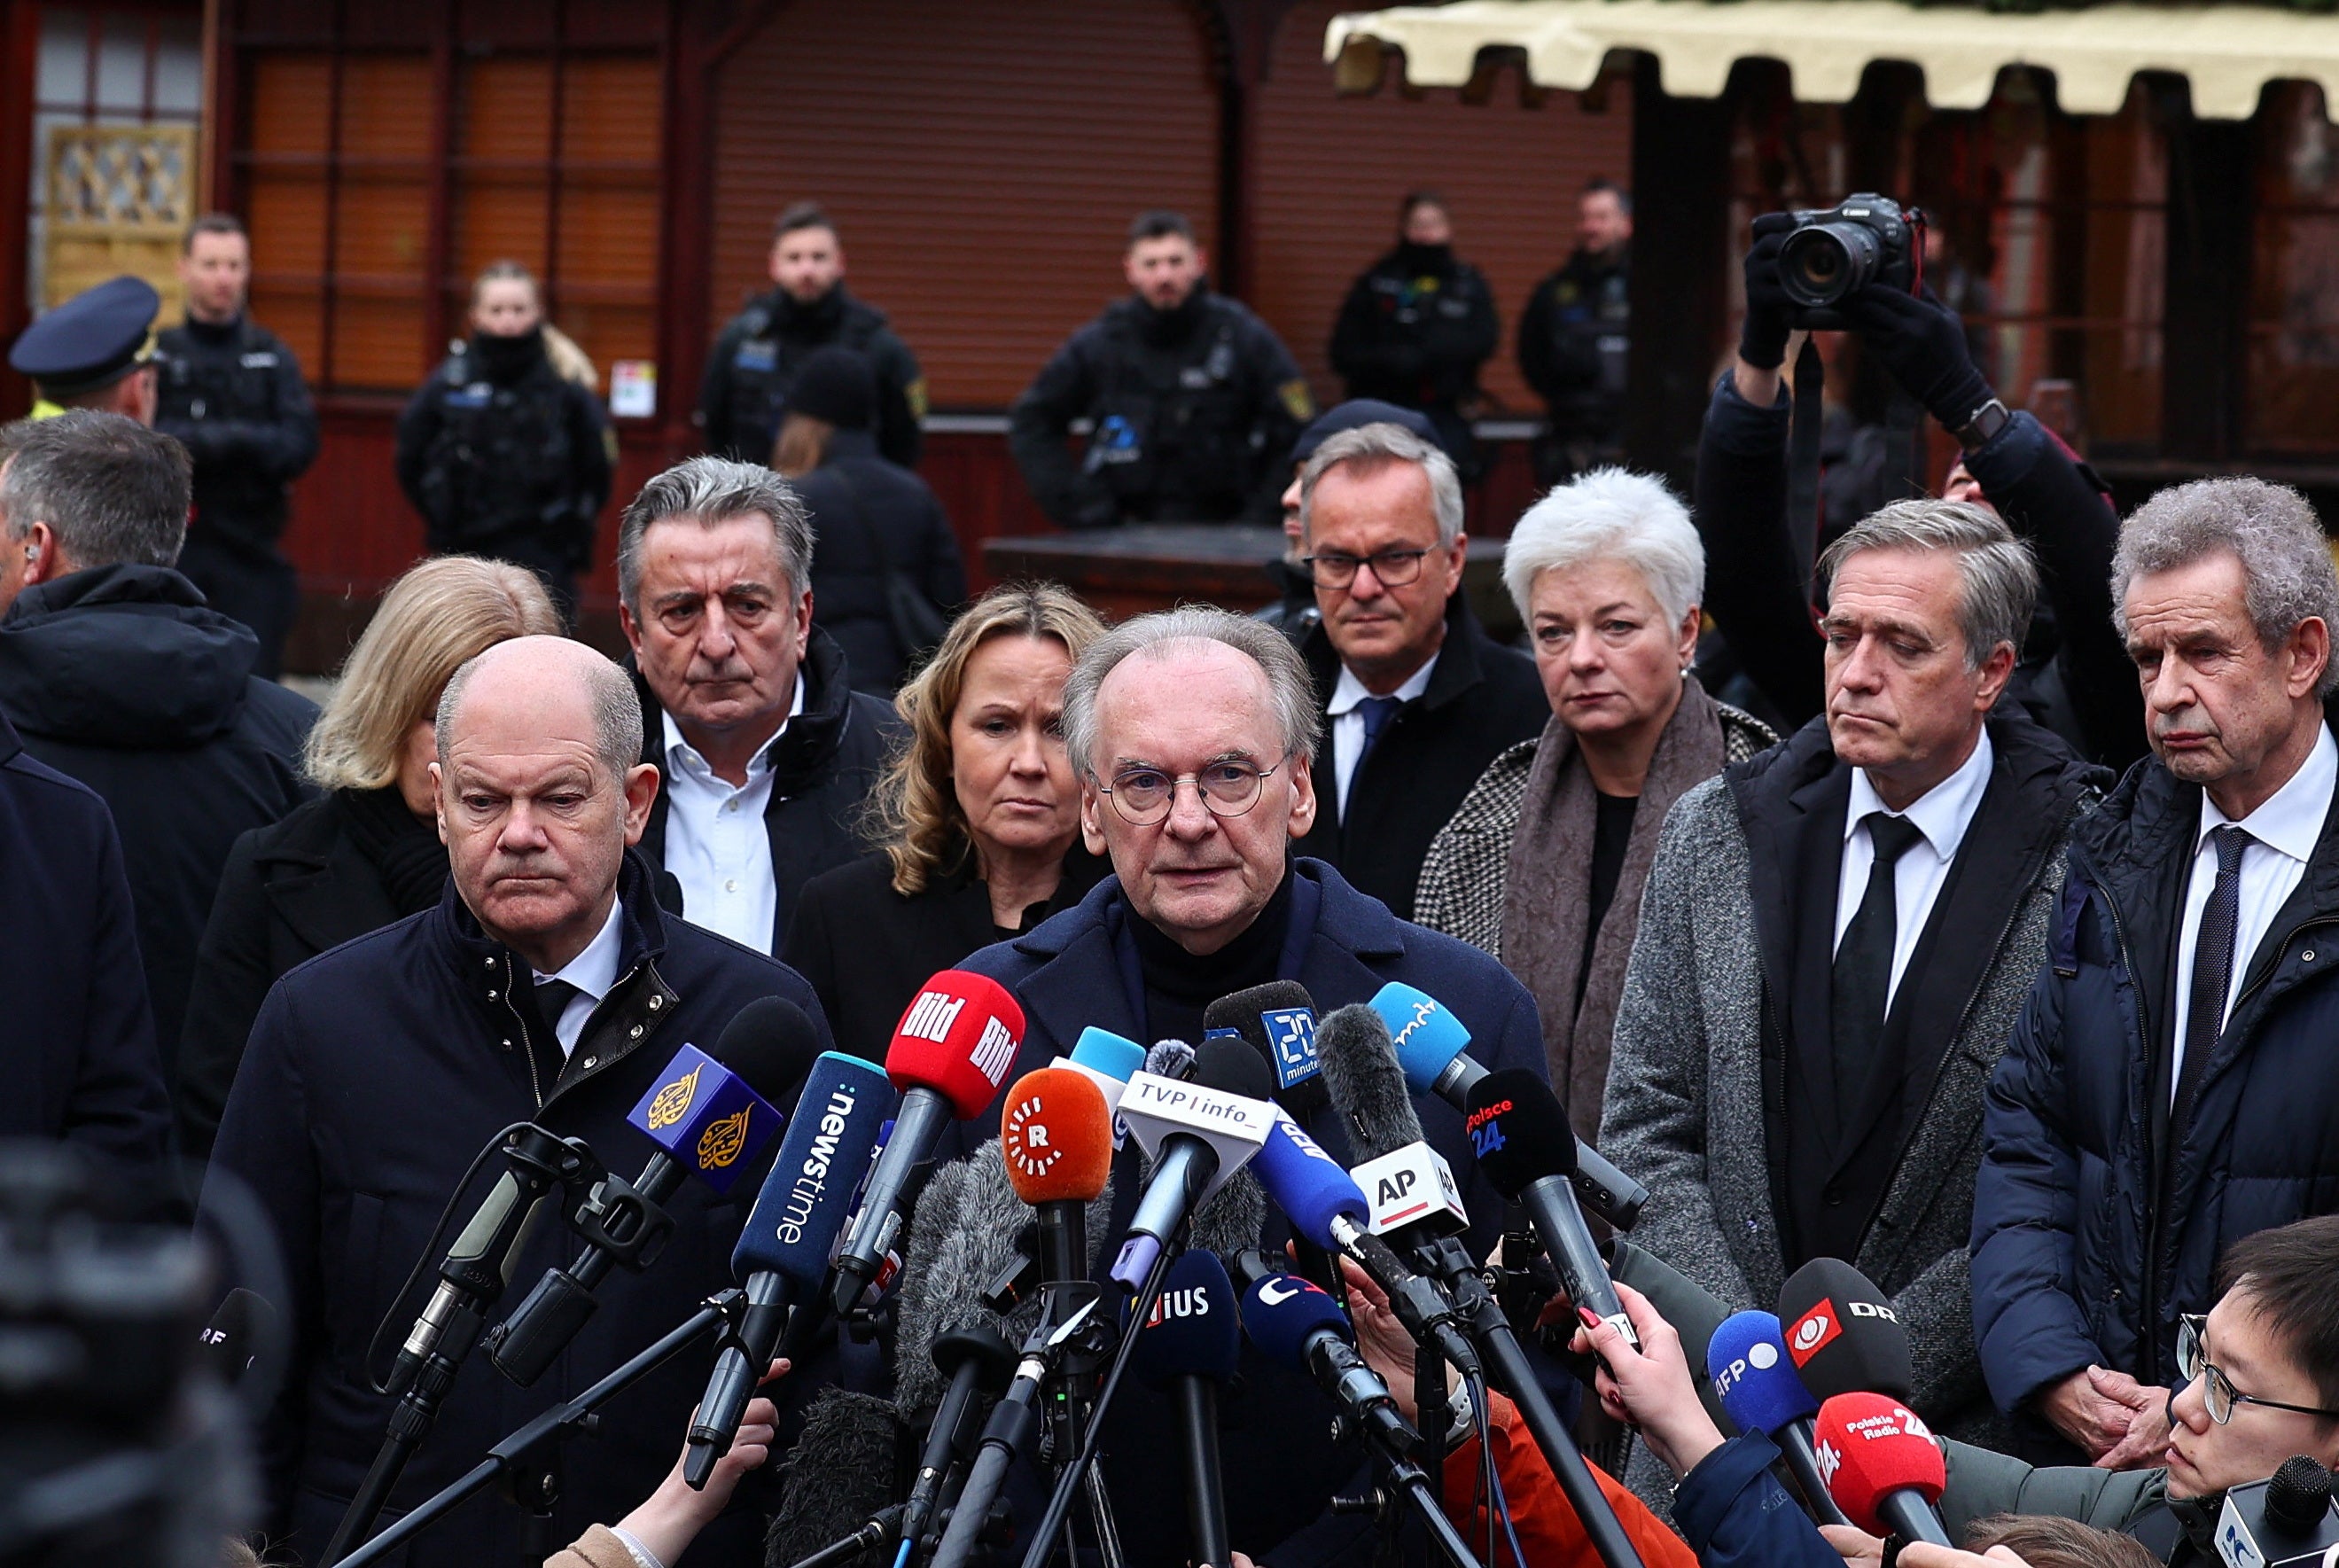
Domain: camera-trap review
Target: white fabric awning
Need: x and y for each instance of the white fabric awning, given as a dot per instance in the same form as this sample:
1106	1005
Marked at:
2228	52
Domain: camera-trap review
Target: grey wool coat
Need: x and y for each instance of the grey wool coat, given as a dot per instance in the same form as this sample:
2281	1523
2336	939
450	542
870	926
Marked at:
1695	1084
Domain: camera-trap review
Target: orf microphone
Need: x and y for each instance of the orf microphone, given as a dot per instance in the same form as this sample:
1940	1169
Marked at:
782	1254
1882	1467
1842	1332
1188	1348
1278	1021
949	1054
1527	1150
1747	1360
1198	1134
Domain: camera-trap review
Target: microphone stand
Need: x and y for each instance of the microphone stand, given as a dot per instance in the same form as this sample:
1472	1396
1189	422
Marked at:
878	1531
532	1450
1412	1482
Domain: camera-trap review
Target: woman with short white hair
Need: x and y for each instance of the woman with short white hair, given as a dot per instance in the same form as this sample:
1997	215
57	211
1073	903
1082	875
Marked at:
1542	864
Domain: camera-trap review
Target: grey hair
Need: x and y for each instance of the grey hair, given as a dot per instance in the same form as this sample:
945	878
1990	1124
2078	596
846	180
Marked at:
708	492
1610	513
1152	636
617	713
2270	528
1998	578
1372	447
113	492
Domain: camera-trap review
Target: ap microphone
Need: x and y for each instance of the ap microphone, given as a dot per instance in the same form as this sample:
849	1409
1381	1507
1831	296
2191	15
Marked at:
710	1118
1188	1348
1198	1134
2285	1522
1410	1186
1747	1360
1842	1332
1527	1150
783	1253
1430	1042
1278	1021
1882	1467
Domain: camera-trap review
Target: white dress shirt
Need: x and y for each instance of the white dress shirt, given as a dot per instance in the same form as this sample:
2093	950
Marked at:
1942	814
592	972
2283	833
715	843
1348	724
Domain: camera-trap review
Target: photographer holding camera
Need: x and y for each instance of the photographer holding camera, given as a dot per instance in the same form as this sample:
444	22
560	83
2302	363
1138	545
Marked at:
1854	268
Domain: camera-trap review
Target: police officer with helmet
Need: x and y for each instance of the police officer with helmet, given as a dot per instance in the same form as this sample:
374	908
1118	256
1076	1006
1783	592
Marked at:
1193	401
502	454
745	394
232	393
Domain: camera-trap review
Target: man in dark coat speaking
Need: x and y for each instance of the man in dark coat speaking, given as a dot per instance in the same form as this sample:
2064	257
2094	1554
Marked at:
1194	733
545	987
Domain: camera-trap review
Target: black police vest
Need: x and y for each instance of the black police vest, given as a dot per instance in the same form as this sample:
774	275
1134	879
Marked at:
502	460
763	365
1174	422
234	380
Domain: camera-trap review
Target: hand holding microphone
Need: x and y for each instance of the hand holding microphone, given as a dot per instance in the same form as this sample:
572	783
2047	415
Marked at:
1747	1360
1882	1466
1648	1383
1527	1150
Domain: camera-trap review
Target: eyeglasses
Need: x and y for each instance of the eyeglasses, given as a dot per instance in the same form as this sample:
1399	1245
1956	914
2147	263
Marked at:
1336	569
2218	1395
1144	796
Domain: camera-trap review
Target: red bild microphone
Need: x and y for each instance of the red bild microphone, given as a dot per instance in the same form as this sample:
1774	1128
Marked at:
949	1054
1882	1467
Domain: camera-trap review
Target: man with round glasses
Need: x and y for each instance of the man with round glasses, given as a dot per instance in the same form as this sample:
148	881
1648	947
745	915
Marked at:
1194	733
1418	697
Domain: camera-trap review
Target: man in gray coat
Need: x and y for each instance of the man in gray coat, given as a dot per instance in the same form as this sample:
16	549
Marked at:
1836	938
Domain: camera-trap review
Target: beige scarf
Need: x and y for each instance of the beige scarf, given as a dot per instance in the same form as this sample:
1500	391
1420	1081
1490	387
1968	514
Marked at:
1549	886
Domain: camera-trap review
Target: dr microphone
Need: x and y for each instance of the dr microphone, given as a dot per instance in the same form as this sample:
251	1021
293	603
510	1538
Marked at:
949	1054
1841	1333
1882	1467
1527	1150
1747	1360
783	1253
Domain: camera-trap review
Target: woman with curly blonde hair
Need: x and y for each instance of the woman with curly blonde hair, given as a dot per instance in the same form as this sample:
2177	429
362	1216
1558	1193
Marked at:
977	819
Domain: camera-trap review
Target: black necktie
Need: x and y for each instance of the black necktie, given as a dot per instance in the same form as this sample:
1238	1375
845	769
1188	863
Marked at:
2213	966
1863	959
552	999
1376	712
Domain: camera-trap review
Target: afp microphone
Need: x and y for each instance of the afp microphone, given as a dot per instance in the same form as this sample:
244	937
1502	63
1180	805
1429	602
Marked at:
949	1054
1188	1349
1841	1333
783	1253
1747	1360
1277	1020
1527	1150
1198	1134
1882	1467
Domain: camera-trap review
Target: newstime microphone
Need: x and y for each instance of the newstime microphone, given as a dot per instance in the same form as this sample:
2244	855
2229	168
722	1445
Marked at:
949	1054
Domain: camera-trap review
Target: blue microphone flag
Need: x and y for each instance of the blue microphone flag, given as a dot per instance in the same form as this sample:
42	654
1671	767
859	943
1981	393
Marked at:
706	1118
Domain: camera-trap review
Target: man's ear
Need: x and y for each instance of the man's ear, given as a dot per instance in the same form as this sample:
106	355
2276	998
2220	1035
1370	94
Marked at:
641	791
2310	653
1303	797
1995	672
1091	816
631	627
439	800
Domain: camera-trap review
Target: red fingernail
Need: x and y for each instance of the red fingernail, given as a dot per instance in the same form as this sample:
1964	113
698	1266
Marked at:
1591	1319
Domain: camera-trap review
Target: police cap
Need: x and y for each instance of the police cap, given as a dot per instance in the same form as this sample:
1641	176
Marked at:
91	341
1353	415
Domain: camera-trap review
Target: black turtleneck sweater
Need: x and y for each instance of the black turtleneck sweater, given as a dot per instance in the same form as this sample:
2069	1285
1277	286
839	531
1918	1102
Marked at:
1179	985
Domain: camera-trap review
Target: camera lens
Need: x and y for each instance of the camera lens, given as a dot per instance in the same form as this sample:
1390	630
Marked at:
1821	265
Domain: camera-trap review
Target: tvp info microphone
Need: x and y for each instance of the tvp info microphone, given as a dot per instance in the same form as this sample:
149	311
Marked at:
1198	1134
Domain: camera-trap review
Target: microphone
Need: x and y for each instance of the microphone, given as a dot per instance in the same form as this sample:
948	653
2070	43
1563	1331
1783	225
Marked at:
1528	1151
1188	1348
1747	1360
1198	1134
977	1363
1842	1332
783	1252
2284	1521
1295	1323
949	1054
711	1115
1411	1188
1110	1061
1056	1138
1882	1467
230	1341
1170	1059
840	1477
1278	1021
1429	1042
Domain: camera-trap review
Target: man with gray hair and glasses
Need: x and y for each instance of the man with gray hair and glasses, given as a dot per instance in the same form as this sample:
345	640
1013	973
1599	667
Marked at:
1835	938
1193	732
767	752
2173	1086
1418	699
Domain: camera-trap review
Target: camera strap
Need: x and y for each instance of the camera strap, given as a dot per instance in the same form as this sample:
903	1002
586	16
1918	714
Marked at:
1803	466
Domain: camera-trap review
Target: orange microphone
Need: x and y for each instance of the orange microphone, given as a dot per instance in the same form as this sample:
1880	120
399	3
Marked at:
1056	1136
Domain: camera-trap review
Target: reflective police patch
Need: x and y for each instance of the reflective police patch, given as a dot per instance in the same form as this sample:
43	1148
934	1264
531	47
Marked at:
754	356
1298	401
263	360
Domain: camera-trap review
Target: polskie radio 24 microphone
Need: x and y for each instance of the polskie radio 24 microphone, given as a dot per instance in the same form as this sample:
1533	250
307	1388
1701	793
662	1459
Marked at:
1110	1061
1527	1150
1278	1021
949	1054
1882	1466
783	1253
2287	1521
1198	1134
1747	1360
1841	1333
1188	1348
711	1115
1430	1043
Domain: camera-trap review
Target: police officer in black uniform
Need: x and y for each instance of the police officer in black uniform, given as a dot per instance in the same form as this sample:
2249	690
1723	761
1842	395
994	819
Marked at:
1573	339
1194	403
231	392
1416	327
502	455
745	392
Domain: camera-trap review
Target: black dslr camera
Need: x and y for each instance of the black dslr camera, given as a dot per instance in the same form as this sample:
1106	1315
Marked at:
1831	255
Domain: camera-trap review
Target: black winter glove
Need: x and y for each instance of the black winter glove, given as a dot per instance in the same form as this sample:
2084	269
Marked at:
1923	344
1770	314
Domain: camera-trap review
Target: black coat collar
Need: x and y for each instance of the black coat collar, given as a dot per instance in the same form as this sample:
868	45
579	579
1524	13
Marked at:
1458	668
802	756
